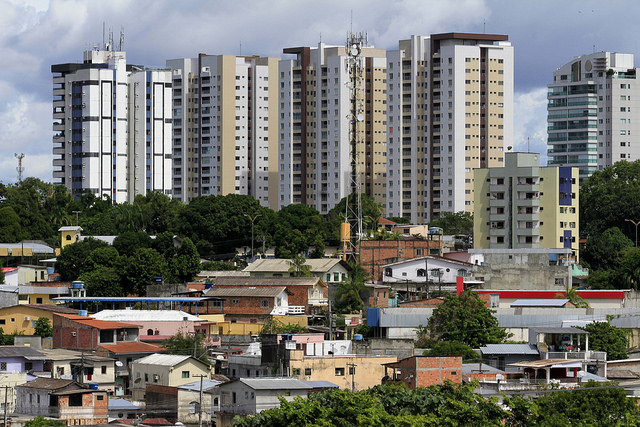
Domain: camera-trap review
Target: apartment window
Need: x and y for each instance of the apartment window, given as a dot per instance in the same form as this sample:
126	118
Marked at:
264	303
339	372
307	371
185	374
103	369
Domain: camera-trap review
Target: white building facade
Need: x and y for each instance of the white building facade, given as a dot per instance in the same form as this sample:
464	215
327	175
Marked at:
590	106
450	110
112	124
225	126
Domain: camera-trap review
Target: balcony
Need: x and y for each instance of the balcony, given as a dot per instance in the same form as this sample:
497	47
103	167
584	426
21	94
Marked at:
590	355
293	310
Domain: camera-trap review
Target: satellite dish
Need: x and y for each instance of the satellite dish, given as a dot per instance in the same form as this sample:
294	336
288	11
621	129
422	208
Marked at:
119	364
355	50
360	117
499	376
137	381
220	357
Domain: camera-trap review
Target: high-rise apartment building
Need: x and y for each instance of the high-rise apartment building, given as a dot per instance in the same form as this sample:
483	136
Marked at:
449	111
524	205
225	127
112	124
591	103
314	153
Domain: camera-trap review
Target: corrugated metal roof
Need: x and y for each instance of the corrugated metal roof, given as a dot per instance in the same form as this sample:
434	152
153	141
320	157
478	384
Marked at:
274	383
20	351
130	299
556	302
475	368
265	281
224	273
264	291
567	330
509	349
37	248
162	359
279	265
321	384
206	385
121	405
146	316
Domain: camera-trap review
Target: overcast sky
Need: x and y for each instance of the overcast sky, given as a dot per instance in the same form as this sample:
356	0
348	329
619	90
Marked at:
37	33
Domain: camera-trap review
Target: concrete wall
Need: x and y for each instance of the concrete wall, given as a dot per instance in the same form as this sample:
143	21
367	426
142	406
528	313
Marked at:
401	348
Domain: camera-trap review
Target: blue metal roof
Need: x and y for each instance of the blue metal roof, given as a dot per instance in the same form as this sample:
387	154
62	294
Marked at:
133	299
539	302
519	349
321	384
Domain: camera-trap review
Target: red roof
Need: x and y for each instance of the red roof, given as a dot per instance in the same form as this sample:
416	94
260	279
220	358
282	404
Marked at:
8	269
127	347
522	294
98	324
385	221
156	422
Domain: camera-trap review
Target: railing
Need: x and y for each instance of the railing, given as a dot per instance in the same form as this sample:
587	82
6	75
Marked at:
296	309
576	355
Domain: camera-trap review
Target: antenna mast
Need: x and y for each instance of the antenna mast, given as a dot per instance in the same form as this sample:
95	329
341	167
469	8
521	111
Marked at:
353	208
20	168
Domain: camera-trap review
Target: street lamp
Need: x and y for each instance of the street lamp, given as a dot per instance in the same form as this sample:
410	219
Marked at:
252	219
636	223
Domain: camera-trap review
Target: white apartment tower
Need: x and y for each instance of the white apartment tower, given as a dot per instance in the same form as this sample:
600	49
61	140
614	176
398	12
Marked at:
591	102
112	124
314	158
449	111
225	111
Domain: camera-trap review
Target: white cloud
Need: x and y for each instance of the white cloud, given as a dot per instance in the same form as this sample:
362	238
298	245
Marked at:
530	122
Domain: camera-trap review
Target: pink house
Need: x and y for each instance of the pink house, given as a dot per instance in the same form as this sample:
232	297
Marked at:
156	325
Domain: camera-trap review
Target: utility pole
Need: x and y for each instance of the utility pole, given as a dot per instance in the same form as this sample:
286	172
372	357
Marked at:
6	392
252	218
200	404
352	369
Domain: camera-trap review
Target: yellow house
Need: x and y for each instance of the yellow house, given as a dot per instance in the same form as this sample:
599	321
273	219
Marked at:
42	293
69	234
347	371
22	318
165	370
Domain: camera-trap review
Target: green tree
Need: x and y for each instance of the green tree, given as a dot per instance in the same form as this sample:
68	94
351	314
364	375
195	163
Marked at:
571	293
103	281
43	327
274	326
141	268
183	344
298	267
71	260
10	227
41	421
601	251
295	228
348	296
186	263
371	212
454	223
101	257
610	196
128	242
604	337
453	348
464	318
218	266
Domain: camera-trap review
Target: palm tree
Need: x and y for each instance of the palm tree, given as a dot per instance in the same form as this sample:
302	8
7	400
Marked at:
298	268
571	293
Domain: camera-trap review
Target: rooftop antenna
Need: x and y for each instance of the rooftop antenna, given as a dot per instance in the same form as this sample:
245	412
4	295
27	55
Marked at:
240	47
20	168
121	39
103	29
484	25
320	36
528	151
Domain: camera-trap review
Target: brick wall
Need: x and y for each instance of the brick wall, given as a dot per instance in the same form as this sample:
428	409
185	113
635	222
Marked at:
425	371
245	305
375	253
72	335
299	293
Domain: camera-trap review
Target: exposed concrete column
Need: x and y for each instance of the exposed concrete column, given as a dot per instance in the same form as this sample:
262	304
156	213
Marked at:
548	374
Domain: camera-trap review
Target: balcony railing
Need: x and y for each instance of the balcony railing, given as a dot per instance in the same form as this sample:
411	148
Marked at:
296	309
576	355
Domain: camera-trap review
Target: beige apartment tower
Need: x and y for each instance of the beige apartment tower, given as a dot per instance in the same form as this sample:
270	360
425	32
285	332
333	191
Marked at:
225	125
450	111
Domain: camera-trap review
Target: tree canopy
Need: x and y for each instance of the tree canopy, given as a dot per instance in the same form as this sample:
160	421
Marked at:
604	337
464	318
453	348
454	223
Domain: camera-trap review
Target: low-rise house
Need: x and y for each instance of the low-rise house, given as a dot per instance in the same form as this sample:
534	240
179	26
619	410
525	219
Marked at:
85	333
82	366
424	371
121	409
501	356
42	292
22	318
330	270
252	303
307	295
250	396
124	354
20	359
166	370
374	254
64	399
156	325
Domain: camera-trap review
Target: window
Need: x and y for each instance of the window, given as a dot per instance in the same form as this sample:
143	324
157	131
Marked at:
146	378
185	374
235	301
103	369
99	397
28	366
307	371
339	372
295	372
264	303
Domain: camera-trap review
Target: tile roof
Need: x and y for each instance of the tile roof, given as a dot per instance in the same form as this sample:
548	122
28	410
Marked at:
265	291
282	265
98	324
265	281
50	383
131	347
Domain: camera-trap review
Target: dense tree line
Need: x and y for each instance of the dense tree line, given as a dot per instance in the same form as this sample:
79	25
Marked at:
450	405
